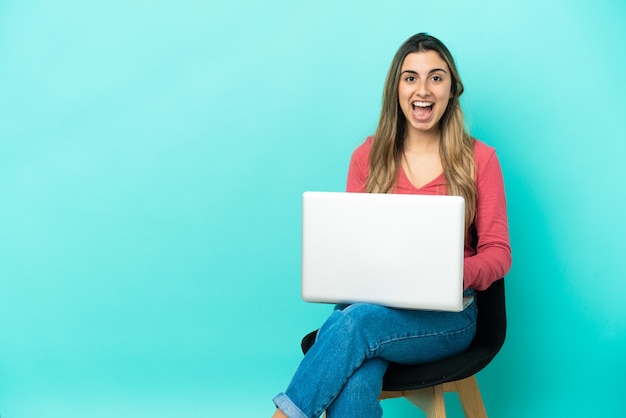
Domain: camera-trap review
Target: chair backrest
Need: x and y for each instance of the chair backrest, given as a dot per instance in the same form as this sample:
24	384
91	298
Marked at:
491	321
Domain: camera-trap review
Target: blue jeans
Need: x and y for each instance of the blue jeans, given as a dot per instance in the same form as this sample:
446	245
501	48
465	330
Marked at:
342	372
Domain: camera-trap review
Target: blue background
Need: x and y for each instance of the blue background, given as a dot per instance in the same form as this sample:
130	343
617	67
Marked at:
152	160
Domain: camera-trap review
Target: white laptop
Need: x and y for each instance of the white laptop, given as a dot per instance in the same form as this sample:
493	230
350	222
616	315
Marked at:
403	251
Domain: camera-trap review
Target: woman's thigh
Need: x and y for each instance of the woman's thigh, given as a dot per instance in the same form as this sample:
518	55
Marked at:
408	336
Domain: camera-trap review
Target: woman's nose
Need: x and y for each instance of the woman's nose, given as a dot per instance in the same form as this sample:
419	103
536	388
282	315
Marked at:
422	89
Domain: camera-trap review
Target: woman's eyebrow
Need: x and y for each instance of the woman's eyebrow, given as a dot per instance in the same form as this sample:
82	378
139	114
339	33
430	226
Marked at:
434	70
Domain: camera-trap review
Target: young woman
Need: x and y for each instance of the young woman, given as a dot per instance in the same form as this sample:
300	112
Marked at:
421	147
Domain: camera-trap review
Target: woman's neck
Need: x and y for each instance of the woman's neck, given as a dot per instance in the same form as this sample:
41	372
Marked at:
422	142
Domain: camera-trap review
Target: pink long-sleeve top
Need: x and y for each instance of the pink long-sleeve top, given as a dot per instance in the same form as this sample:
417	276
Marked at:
487	247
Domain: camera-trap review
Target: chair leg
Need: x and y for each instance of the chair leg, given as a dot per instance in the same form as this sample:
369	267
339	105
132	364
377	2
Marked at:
430	400
471	400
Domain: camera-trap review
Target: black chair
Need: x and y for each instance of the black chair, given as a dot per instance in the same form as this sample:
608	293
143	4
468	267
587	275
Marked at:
425	384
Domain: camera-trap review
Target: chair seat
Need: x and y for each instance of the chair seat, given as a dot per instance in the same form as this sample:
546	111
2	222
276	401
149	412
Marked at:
409	377
399	377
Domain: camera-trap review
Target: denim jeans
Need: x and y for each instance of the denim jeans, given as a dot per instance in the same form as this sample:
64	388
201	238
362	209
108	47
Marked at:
342	372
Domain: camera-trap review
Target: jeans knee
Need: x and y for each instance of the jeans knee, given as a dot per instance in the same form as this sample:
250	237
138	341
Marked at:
353	328
354	320
365	313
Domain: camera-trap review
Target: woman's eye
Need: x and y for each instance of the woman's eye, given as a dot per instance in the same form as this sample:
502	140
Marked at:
437	78
410	79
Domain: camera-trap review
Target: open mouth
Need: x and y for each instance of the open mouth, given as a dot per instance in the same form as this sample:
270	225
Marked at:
422	110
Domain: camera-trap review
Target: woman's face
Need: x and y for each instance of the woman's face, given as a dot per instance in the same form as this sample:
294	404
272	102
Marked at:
424	91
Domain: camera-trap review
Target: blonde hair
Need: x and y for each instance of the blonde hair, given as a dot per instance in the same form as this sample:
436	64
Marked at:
456	146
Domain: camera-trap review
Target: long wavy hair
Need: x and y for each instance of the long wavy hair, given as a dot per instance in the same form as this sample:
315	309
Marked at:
456	145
